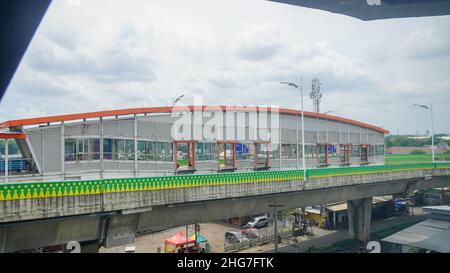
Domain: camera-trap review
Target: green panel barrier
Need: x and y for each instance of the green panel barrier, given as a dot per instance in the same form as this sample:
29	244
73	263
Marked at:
74	188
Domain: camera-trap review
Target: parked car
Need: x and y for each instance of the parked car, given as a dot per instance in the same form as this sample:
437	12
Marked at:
234	237
258	222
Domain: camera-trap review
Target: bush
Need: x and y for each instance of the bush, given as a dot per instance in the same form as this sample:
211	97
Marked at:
416	152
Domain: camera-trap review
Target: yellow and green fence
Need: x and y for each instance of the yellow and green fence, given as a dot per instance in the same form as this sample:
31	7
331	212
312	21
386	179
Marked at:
19	191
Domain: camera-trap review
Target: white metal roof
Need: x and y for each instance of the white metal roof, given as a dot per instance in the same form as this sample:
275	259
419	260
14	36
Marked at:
343	205
431	234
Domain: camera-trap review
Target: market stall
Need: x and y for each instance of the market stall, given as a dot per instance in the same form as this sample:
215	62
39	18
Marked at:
179	244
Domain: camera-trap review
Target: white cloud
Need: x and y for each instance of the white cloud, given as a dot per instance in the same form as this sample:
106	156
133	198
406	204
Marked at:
26	110
101	54
426	43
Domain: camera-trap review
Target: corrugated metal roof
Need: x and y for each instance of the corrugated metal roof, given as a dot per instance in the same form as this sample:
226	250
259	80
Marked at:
338	207
429	234
343	206
438	209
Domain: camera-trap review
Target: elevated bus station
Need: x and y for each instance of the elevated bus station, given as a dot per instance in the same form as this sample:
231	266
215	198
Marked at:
141	142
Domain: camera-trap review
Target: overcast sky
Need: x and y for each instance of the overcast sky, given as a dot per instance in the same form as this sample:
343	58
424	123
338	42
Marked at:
99	55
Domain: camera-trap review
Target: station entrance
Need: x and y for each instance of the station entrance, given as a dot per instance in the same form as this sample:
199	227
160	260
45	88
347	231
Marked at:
184	156
364	153
226	152
344	154
262	155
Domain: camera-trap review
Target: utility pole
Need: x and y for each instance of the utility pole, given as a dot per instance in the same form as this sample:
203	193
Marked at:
275	225
316	94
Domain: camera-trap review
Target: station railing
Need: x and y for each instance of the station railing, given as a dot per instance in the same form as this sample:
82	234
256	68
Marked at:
18	166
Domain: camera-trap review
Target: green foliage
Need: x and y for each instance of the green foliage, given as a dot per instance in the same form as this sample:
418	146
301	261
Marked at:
336	247
394	159
406	141
288	212
415	152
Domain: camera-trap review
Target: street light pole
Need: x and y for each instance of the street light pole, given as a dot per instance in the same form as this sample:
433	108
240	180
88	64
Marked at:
303	133
432	127
303	123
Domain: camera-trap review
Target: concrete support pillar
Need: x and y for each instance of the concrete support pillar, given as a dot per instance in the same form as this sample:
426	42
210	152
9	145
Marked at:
359	217
90	247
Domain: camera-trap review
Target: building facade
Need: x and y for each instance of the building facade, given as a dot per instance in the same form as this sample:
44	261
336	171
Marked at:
154	142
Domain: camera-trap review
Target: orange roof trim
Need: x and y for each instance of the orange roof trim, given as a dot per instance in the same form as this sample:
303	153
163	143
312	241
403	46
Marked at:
165	109
13	135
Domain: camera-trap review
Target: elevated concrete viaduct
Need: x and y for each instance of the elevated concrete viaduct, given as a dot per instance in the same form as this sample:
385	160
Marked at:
113	219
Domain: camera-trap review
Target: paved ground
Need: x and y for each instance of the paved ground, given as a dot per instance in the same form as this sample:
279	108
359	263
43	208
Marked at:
149	243
214	232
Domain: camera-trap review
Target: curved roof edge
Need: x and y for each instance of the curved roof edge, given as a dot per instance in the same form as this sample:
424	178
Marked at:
12	135
165	109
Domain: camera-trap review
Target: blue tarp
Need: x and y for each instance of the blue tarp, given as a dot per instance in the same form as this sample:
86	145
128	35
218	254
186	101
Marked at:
200	238
400	204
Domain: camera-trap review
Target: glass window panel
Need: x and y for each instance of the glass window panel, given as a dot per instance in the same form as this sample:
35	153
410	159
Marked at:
70	149
151	151
199	151
93	150
274	151
141	150
207	151
119	149
85	148
2	148
129	149
107	148
289	151
160	151
168	152
214	151
207	147
13	149
299	149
